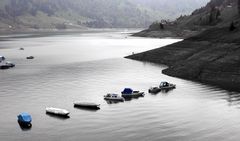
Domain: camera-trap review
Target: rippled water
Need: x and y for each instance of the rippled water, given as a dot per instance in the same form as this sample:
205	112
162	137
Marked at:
85	67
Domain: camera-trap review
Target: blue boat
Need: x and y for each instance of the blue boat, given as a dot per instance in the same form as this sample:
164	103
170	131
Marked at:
130	93
24	119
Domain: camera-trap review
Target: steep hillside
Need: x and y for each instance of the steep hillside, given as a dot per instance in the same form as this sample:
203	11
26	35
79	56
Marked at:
62	14
216	13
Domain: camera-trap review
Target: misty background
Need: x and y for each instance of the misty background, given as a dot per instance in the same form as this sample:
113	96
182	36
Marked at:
64	14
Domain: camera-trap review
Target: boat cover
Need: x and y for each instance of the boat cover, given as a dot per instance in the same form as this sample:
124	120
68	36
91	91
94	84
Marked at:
25	117
127	91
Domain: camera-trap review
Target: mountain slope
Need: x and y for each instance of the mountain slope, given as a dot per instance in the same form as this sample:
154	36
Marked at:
216	13
61	14
211	56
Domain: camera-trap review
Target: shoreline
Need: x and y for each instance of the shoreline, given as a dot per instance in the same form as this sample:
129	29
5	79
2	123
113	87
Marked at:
203	58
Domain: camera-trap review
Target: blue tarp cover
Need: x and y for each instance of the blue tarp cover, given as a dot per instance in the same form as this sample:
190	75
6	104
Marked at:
127	91
25	117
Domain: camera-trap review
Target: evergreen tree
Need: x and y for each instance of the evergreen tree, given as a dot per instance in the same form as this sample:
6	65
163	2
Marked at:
161	26
232	26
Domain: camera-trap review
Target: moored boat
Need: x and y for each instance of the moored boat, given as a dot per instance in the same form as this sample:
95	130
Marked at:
24	119
129	93
30	57
57	111
167	86
113	97
154	90
87	105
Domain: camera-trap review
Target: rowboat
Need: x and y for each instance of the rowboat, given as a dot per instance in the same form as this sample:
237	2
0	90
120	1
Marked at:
87	105
57	111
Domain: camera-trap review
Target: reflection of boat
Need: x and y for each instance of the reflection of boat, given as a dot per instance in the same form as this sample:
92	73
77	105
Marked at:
30	57
113	97
154	90
86	105
24	120
167	86
129	93
57	111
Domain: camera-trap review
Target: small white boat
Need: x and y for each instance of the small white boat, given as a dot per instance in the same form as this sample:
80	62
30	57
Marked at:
57	111
87	105
167	86
113	97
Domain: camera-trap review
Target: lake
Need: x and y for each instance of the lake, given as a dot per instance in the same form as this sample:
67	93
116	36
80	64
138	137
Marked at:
85	66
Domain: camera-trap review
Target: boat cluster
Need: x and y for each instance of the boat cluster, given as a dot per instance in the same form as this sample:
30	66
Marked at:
25	119
7	64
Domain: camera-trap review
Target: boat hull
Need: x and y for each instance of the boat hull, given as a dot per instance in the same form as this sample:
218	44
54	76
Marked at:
24	124
154	91
57	112
134	95
114	99
3	67
87	105
168	88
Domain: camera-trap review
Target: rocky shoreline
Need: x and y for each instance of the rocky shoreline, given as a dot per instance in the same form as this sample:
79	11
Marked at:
210	57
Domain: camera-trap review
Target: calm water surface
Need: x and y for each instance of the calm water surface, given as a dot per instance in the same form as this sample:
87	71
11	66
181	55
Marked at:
85	67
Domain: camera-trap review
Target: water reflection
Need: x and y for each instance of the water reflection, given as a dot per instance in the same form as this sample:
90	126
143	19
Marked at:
113	101
88	108
133	98
60	117
166	91
234	99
